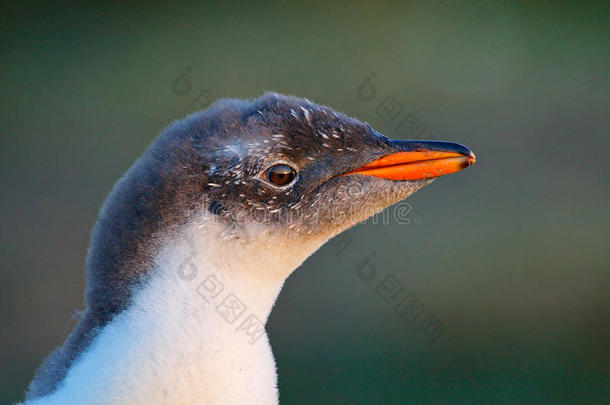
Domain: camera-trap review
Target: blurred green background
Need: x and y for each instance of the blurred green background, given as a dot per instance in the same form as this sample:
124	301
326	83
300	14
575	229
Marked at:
510	256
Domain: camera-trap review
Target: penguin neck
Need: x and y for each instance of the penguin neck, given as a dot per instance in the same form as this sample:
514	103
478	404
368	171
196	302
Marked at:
246	262
194	332
214	286
221	271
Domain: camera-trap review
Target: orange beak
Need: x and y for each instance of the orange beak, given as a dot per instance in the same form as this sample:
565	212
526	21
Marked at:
424	161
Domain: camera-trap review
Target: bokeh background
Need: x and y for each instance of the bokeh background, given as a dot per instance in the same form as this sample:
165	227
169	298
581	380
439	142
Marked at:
509	258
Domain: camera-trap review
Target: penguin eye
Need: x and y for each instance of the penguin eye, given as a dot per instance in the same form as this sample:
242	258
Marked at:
280	175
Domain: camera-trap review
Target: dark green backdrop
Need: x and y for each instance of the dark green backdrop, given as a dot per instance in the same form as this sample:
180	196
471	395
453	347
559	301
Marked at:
510	256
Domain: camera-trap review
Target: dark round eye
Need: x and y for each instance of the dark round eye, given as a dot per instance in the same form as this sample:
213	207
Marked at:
281	175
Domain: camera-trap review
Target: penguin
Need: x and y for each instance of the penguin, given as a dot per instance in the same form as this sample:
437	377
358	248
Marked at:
194	242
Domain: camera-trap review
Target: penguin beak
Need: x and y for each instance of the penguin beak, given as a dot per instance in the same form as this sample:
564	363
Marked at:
417	160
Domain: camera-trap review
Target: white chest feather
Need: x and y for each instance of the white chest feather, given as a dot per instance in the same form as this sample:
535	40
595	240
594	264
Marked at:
194	334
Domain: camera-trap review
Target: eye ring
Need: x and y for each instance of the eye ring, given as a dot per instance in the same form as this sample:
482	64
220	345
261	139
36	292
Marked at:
280	175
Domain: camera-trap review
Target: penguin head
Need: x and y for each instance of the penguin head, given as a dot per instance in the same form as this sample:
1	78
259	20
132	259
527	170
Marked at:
288	165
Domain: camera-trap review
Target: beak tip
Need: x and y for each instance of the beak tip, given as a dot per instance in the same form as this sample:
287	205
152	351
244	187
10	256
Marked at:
472	159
